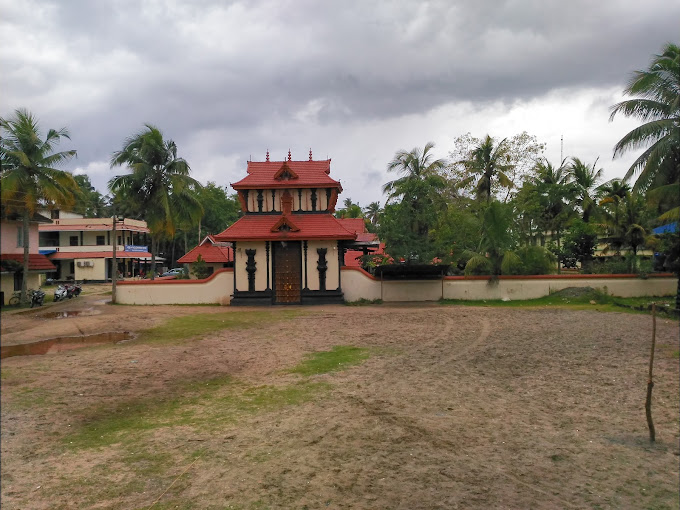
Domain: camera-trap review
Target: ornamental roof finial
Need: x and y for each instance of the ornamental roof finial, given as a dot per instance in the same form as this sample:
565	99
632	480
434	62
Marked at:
288	154
310	154
267	154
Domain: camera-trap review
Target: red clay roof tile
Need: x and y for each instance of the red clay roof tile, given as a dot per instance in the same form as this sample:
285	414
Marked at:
312	226
309	174
210	253
36	261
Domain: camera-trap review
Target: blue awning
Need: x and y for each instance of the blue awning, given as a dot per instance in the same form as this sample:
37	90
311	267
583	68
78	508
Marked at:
47	252
663	229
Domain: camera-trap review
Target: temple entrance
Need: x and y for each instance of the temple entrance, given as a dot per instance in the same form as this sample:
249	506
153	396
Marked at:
287	272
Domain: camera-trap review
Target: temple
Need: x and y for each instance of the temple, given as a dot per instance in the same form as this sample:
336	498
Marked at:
288	246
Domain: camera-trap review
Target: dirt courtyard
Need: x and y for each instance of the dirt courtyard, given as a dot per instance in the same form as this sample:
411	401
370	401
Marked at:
441	407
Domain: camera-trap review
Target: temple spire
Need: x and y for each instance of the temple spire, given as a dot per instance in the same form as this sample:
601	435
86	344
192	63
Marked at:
267	155
289	157
310	154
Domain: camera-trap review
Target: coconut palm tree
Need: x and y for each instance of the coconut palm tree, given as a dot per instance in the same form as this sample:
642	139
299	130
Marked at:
585	179
28	177
658	107
555	194
491	162
159	184
372	212
624	220
416	165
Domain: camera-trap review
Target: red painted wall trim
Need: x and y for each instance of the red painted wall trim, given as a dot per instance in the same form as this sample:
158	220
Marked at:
173	280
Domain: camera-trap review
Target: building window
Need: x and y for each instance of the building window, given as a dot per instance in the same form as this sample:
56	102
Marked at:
73	240
101	240
54	214
20	237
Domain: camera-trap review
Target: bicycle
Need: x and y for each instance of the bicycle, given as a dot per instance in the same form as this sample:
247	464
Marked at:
16	297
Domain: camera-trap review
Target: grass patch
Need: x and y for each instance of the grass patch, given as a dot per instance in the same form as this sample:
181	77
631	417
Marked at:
206	406
602	302
198	325
338	358
364	302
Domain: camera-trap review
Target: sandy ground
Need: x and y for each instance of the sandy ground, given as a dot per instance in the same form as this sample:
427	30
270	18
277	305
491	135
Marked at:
456	407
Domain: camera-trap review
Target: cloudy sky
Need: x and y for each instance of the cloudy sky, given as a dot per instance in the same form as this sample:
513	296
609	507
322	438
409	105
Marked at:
352	80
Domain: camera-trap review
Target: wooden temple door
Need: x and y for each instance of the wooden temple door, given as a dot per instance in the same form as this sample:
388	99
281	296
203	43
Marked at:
287	272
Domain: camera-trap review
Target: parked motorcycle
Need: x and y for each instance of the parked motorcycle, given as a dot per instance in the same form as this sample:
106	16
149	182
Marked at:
37	298
60	293
73	290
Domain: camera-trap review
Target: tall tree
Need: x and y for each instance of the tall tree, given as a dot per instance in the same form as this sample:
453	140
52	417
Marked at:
415	165
159	184
28	177
554	193
90	203
658	107
417	193
625	223
586	180
490	162
372	213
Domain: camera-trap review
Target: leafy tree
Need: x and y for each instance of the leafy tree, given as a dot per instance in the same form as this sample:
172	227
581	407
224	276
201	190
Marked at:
580	241
28	177
554	194
494	254
200	268
159	184
490	161
521	152
418	189
220	209
456	231
90	203
350	210
416	165
625	221
372	213
404	225
658	107
586	180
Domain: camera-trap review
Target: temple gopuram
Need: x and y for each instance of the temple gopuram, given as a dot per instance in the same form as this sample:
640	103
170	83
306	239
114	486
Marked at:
288	246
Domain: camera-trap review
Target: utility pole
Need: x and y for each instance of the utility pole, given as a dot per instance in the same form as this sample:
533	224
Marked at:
561	149
114	263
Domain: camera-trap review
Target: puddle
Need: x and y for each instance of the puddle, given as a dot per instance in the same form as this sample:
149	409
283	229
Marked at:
67	314
64	343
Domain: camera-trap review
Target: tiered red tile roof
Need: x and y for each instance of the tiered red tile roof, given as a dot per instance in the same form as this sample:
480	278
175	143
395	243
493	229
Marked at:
210	252
36	262
309	174
320	225
311	227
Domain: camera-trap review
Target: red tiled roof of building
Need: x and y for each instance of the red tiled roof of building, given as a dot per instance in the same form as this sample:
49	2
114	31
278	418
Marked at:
36	261
353	224
66	255
309	174
210	253
311	226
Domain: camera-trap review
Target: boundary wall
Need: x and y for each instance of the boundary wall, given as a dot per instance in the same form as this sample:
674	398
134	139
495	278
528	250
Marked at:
216	289
357	284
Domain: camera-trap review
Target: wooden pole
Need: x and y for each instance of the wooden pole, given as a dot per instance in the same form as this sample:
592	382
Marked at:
114	263
650	382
